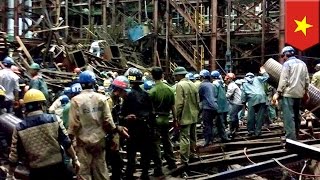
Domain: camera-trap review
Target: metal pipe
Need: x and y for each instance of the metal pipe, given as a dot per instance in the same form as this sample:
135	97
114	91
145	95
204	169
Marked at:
10	18
273	68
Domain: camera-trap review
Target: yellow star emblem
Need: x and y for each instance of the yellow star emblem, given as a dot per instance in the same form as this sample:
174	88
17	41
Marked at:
302	26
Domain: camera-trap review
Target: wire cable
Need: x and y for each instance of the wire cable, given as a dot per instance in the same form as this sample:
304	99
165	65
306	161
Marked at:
245	153
292	171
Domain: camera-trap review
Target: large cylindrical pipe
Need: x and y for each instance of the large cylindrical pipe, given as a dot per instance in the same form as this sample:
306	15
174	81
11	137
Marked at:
273	68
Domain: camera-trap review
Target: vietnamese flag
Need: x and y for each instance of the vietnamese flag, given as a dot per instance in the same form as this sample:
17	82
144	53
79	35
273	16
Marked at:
302	23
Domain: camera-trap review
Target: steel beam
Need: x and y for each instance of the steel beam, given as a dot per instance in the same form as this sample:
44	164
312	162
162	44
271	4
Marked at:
302	149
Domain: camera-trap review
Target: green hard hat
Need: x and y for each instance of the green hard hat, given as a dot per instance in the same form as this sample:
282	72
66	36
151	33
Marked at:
180	70
35	66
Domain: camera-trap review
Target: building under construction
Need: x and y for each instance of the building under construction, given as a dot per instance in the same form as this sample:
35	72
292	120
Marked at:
228	35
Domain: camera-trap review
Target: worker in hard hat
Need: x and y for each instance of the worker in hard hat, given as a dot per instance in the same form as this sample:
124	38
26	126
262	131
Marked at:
37	82
2	99
10	81
18	105
119	89
90	120
197	80
190	77
223	105
56	107
316	77
137	110
234	97
75	89
187	110
293	86
253	93
40	137
163	100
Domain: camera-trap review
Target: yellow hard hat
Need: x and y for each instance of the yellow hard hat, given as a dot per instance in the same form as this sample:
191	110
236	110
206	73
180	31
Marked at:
33	95
2	92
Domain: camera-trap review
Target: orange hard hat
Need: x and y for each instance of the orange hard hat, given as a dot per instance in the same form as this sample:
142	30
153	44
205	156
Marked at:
77	70
15	69
230	76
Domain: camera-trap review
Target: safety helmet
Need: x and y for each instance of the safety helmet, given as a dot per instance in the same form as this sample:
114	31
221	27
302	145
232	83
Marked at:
121	82
134	75
67	90
15	69
76	88
77	70
287	50
33	95
87	77
215	74
147	85
205	73
230	76
2	91
35	66
7	61
64	99
180	70
196	76
249	75
317	67
101	89
190	76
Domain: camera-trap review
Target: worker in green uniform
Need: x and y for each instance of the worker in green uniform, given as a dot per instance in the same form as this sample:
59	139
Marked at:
253	93
187	111
37	81
162	98
223	105
316	77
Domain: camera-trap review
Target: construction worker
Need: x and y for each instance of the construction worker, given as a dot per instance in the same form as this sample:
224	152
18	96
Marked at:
162	98
56	107
39	137
137	111
316	77
2	99
75	89
148	84
234	97
10	81
253	93
37	81
119	89
187	111
208	106
18	105
197	80
293	86
90	120
223	105
190	77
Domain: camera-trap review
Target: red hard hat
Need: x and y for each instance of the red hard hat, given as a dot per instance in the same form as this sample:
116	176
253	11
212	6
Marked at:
230	76
77	70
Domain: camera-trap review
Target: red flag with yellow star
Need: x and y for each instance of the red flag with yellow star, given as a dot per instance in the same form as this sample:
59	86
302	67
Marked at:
302	23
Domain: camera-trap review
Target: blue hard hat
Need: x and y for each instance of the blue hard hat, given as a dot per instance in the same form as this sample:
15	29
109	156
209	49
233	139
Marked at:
204	73
215	74
67	90
76	88
190	76
147	85
287	49
64	99
196	76
87	77
7	61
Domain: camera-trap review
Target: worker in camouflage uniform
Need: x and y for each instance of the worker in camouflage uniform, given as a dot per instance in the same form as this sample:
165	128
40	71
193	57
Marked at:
37	81
293	86
187	111
316	77
40	137
253	93
223	105
137	111
90	120
162	98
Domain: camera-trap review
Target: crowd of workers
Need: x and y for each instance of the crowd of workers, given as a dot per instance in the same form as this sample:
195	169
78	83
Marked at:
86	127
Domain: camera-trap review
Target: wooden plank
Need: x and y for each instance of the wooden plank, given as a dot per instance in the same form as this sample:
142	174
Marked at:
24	49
